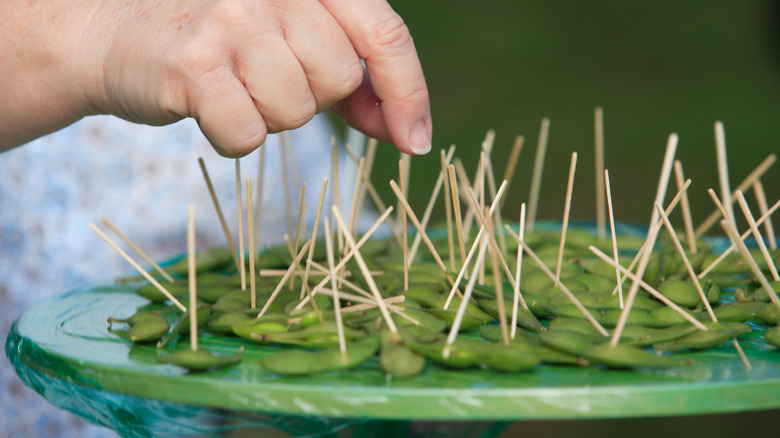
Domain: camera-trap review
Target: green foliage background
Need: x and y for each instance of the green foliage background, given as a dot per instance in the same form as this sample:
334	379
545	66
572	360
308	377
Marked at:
655	67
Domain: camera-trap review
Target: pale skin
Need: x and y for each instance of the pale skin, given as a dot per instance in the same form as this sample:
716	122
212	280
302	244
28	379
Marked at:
240	68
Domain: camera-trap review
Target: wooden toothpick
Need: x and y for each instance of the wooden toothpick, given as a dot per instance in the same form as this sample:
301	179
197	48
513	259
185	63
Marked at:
536	178
758	189
598	130
448	208
138	267
284	279
334	289
648	288
429	207
192	274
259	203
744	186
456	212
511	165
608	190
686	208
250	231
723	171
298	232
498	285
366	273
219	212
404	226
517	297
314	231
757	235
744	235
455	328
135	247
566	210
240	205
286	183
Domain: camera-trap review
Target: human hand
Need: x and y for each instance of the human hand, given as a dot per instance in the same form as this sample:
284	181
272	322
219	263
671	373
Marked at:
244	68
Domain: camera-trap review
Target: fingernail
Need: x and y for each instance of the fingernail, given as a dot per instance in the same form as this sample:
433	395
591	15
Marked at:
419	139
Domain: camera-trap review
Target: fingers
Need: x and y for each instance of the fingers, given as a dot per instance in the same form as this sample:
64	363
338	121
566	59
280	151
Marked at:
380	37
226	114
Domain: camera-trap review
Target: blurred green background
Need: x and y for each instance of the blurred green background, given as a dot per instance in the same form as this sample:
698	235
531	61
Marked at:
655	67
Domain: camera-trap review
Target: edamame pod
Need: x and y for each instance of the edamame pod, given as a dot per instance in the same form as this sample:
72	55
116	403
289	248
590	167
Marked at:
149	330
199	360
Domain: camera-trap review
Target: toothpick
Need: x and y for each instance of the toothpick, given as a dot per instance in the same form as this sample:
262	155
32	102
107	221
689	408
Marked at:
598	129
356	195
349	255
298	232
757	234
364	269
336	301
723	170
498	286
686	262
650	289
563	288
517	297
511	165
314	231
498	224
614	235
240	225
404	226
429	208
335	193
663	180
447	208
371	190
193	289
686	208
286	183
744	186
471	253
420	230
478	209
744	235
138	268
758	189
250	231
466	298
640	272
487	222
734	236
566	211
286	276
138	250
536	179
657	227
370	155
456	211
258	212
219	212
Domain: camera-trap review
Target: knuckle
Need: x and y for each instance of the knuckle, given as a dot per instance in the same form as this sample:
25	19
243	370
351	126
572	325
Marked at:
349	81
391	33
230	12
294	117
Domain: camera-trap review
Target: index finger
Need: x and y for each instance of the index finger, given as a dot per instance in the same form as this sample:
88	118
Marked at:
381	38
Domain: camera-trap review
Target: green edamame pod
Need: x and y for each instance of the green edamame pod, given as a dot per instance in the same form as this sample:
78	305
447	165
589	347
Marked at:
770	313
680	292
223	323
698	340
151	293
149	330
399	362
627	356
511	358
199	360
525	318
773	336
463	353
302	362
738	312
567	341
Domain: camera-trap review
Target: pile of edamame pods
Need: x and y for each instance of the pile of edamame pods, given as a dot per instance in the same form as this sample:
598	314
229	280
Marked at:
550	331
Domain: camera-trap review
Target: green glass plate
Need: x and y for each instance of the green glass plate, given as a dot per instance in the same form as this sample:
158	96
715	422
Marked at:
65	340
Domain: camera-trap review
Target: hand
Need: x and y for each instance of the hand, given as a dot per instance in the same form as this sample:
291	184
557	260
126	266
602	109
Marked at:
243	68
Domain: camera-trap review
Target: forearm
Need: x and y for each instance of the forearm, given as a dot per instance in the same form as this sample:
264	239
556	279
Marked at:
43	82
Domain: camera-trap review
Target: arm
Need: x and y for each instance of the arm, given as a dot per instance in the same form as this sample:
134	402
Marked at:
241	68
